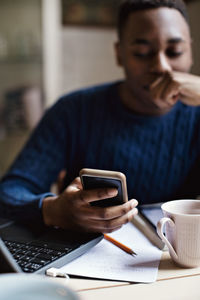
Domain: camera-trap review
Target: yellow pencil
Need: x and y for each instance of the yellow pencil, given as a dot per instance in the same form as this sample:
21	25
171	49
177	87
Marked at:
120	245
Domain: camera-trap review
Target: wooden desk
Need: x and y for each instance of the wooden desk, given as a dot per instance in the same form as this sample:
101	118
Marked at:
173	283
186	288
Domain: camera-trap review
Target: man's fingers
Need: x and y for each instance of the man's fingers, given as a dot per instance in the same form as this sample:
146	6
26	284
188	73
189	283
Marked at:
61	181
113	212
107	226
90	195
108	219
165	91
75	185
189	87
96	194
171	92
158	86
155	82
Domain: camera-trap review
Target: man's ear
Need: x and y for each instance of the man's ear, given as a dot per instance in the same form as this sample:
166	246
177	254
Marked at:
118	54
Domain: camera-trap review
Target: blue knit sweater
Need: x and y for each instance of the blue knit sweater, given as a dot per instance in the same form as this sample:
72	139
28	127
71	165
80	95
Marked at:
91	128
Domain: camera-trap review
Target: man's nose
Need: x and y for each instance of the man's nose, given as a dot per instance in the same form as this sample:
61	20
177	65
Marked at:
160	64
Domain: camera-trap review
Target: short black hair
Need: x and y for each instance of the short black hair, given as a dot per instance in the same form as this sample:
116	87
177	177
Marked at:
129	6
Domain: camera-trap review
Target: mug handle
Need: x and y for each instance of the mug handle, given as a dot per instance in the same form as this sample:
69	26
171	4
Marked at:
160	230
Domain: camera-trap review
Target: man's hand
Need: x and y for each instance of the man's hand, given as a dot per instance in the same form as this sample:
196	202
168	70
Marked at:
189	88
170	87
72	210
165	91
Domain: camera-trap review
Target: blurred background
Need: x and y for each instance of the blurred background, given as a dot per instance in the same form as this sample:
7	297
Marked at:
50	47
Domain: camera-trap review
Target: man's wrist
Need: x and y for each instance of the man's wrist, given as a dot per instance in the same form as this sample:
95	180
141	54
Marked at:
48	210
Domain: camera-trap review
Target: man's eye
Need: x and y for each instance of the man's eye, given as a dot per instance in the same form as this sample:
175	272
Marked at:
142	55
174	54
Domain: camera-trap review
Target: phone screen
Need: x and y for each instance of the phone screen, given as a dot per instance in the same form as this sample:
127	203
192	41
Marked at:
92	182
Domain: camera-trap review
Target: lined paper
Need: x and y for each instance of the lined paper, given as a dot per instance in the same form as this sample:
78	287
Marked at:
106	261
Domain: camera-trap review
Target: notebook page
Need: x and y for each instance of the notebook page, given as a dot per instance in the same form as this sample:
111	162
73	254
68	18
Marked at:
106	261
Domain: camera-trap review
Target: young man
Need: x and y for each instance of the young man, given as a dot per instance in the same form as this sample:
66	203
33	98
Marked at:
146	126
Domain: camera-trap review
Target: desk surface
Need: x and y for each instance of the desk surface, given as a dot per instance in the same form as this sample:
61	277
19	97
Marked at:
173	283
186	288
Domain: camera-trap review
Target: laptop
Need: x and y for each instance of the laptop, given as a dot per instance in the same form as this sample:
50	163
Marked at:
35	249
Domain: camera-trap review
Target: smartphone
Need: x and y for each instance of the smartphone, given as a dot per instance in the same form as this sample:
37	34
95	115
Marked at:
146	221
93	179
152	213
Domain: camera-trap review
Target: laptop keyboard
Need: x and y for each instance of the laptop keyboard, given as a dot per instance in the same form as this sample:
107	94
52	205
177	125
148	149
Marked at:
34	255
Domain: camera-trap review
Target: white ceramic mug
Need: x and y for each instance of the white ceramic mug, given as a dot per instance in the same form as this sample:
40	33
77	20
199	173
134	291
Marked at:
182	231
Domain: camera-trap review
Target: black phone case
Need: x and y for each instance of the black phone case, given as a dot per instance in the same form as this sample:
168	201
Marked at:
91	182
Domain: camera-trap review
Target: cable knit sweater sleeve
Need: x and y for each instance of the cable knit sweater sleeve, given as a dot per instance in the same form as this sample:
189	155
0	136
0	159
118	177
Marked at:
28	181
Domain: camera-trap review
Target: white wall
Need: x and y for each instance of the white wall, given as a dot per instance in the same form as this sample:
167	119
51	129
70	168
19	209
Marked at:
88	57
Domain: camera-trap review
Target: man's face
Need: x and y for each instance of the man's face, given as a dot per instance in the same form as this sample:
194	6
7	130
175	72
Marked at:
153	42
